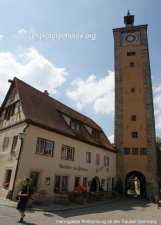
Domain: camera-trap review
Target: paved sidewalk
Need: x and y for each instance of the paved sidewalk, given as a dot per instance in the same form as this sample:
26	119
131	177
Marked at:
56	206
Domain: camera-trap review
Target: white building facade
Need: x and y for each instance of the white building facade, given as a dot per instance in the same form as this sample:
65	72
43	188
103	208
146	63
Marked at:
62	148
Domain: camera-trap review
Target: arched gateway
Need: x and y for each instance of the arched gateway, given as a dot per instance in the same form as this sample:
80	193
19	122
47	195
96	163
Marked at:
135	182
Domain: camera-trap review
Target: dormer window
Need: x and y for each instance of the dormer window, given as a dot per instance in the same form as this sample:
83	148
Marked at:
95	134
75	126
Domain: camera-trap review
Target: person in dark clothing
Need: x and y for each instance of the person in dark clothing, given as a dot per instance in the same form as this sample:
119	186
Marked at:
23	195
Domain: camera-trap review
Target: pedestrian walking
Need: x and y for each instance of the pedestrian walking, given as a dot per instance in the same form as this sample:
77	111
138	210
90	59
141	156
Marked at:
23	198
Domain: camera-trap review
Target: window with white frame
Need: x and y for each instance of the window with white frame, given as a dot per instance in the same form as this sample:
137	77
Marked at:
88	157
106	161
44	147
48	148
40	146
97	159
67	152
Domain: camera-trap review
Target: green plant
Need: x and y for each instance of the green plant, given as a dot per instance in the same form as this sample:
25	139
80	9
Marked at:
19	184
32	189
158	143
119	186
101	190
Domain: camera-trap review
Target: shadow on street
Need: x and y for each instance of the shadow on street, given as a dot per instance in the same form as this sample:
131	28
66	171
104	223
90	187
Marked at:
125	204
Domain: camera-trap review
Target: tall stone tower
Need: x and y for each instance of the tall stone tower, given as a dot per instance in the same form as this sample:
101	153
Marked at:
134	114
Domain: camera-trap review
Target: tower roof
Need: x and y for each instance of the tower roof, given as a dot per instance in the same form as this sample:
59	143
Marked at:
129	19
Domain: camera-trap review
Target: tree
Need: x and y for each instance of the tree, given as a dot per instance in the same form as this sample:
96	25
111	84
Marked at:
19	184
158	143
119	186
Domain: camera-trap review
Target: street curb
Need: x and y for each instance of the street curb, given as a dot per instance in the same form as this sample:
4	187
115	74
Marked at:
80	207
66	209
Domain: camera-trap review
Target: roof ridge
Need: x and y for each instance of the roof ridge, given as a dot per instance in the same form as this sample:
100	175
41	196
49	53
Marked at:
40	110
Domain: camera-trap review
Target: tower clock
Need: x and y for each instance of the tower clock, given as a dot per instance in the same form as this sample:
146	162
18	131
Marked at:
134	115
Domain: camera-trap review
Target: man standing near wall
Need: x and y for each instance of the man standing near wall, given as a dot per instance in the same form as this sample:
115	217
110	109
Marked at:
21	206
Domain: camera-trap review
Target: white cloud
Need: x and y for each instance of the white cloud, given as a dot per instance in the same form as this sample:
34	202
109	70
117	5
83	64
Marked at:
157	89
105	104
22	31
35	70
111	138
98	92
1	37
157	100
158	122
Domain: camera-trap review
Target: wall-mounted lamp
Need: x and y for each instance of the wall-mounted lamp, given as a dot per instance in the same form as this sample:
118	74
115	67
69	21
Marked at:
22	135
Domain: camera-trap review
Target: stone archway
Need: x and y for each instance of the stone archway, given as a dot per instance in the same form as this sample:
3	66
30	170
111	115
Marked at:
135	182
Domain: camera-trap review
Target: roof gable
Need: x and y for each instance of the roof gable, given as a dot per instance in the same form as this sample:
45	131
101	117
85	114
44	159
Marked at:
46	112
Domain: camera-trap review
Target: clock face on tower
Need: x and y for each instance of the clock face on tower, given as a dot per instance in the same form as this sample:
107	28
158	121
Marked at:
130	38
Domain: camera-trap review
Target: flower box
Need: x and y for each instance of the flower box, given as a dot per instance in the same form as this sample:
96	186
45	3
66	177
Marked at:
6	184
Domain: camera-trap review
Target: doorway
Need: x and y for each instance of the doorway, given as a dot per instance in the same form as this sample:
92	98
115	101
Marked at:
135	184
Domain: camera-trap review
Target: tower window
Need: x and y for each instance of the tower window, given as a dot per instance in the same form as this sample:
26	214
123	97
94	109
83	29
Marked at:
129	21
131	53
134	134
135	151
127	151
142	151
132	89
133	117
131	64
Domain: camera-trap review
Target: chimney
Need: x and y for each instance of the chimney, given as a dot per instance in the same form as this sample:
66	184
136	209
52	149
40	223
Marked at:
46	92
10	81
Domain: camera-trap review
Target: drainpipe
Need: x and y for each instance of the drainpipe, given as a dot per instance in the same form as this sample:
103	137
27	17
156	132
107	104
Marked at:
18	159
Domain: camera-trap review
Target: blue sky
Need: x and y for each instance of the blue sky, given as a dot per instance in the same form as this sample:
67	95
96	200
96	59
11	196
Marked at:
67	48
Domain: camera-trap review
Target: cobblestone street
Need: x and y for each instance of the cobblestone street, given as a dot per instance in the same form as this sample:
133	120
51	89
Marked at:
124	211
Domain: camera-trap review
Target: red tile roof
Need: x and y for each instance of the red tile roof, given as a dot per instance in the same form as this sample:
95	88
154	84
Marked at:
46	112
